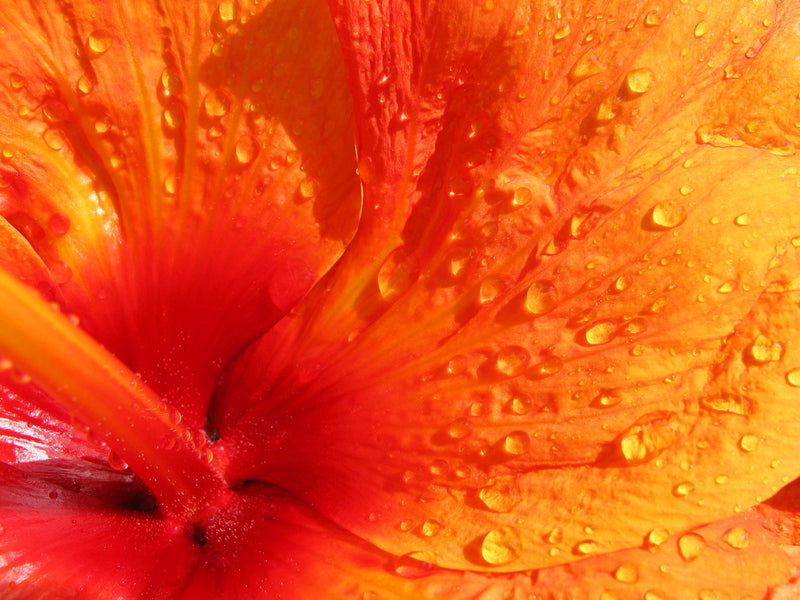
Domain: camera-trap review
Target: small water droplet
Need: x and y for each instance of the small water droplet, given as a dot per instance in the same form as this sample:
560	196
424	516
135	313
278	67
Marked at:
522	196
309	188
555	536
17	81
522	406
585	548
512	361
737	537
561	33
639	81
430	528
690	546
727	287
501	495
742	220
650	436
170	83
84	85
652	19
54	139
549	366
701	29
459	429
516	443
666	215
59	223
397	273
247	148
216	104
115	462
622	283
626	573
586	66
415	564
684	488
491	288
599	333
457	365
793	377
541	297
748	442
501	546
99	42
172	117
227	11
656	537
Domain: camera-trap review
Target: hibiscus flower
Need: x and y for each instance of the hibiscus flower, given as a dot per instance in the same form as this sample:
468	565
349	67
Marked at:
382	299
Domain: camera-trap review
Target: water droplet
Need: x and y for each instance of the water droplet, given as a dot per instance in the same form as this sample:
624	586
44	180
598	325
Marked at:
561	33
172	117
652	19
522	196
701	29
309	188
227	11
742	220
516	443
793	377
728	403
17	81
748	442
639	81
541	297
170	83
54	139
654	595
684	488
459	429
626	573
116	463
549	366
512	361
247	149
459	261
586	66
737	537
491	288
99	42
606	399
763	350
656	537
599	333
501	495
430	528
415	564
216	104
666	215
585	548
59	223
727	287
555	536
397	273
457	365
501	546
650	436
522	406
690	546
635	326
622	283
84	85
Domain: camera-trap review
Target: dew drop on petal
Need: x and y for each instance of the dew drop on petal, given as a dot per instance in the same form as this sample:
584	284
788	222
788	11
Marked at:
99	42
599	333
549	366
737	537
690	546
585	548
522	196
666	215
683	489
555	536
656	537
59	223
246	149
727	287
397	273
459	429
516	443
626	573
512	361
115	462
793	377
541	297
701	29
622	283
520	405
430	528
501	546
216	104
84	85
415	564
491	288
586	66
457	365
639	81
227	11
742	220
54	139
606	399
501	495
649	437
748	442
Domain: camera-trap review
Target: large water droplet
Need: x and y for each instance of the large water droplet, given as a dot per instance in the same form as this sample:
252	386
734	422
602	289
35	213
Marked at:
650	436
430	528
216	104
491	288
793	378
656	537
748	442
501	495
763	350
737	537
516	443
639	81
626	573
512	361
666	215
690	546
501	546
247	148
99	42
116	463
59	223
599	333
227	11
541	297
170	83
585	548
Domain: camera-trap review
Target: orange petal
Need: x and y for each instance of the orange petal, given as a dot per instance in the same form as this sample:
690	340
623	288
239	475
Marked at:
586	322
186	172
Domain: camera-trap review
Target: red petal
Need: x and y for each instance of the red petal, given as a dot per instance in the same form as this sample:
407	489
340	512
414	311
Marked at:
577	320
186	172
